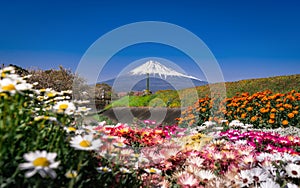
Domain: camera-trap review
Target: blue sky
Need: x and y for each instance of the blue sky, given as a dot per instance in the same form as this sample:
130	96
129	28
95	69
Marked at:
250	39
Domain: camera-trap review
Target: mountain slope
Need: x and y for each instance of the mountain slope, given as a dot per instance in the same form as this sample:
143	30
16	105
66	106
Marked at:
154	67
160	78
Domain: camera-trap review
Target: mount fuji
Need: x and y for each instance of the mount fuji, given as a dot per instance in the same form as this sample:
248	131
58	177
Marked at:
160	78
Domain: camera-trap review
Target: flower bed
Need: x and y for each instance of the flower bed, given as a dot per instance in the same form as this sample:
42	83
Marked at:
262	109
44	141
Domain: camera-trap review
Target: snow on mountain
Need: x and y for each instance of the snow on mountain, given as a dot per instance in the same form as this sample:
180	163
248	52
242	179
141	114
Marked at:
161	78
154	67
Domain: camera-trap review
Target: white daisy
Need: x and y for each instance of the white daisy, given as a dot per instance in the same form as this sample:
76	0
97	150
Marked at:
9	69
269	184
248	160
290	158
8	85
197	161
209	123
241	142
205	175
39	118
109	137
85	142
89	129
119	145
293	170
153	170
291	185
104	169
70	129
192	169
223	121
64	107
258	174
245	177
236	123
187	180
217	156
262	156
71	174
83	109
41	162
124	170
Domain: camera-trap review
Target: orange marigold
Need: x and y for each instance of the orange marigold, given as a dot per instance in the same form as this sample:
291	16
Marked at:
285	122
295	112
273	110
271	121
288	106
291	115
272	116
244	115
249	108
254	118
262	110
281	109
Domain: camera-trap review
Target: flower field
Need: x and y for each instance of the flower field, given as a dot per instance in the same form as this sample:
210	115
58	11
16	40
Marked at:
45	141
262	110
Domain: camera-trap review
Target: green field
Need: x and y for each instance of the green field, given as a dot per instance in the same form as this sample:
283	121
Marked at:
170	98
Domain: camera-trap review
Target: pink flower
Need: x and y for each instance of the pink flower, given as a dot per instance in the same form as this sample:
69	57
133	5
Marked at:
187	179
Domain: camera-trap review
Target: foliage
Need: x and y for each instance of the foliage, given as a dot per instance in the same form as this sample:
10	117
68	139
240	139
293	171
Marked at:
42	120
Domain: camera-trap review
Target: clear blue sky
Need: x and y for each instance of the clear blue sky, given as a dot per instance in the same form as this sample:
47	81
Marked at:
250	38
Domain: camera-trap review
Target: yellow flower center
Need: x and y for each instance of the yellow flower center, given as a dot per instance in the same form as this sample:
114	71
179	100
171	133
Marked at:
152	170
71	129
105	169
63	106
51	94
41	161
71	174
85	143
8	87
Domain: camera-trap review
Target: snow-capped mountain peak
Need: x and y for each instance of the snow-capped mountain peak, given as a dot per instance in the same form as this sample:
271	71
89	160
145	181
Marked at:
155	68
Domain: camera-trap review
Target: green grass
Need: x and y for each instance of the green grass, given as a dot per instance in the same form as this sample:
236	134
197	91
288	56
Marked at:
170	98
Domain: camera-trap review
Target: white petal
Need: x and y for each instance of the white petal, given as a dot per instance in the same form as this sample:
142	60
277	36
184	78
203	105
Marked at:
52	173
88	137
54	165
23	166
29	156
43	154
51	156
43	173
29	174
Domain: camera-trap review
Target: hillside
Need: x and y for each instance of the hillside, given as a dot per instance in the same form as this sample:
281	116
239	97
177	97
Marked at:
170	98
